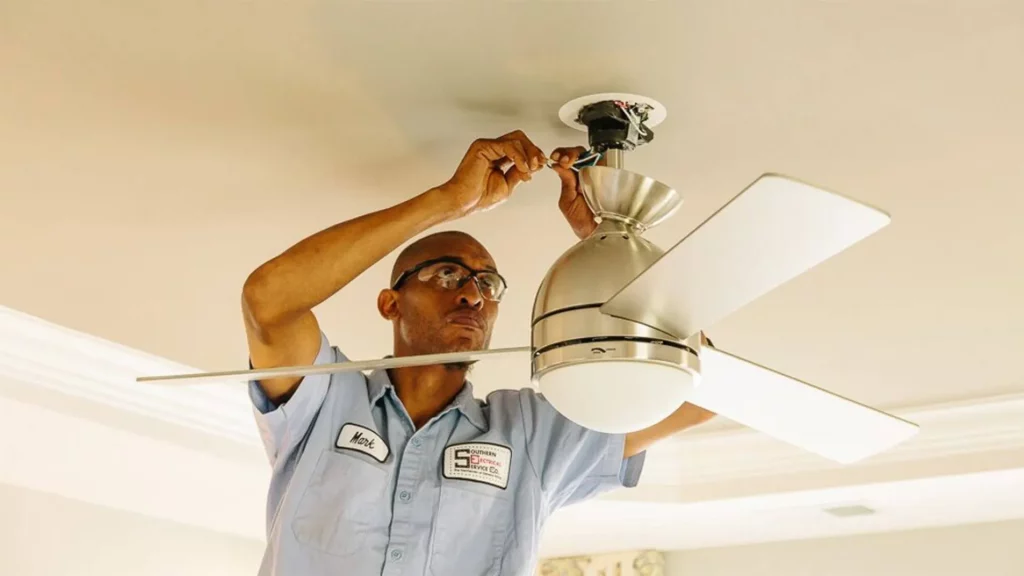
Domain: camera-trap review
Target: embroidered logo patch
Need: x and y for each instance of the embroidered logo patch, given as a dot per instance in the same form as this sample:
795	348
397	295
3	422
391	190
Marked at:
478	462
362	439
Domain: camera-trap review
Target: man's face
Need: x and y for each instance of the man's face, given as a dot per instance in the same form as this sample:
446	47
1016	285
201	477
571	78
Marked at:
432	318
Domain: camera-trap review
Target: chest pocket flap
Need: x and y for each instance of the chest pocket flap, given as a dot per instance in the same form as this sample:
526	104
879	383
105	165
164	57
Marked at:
471	529
344	508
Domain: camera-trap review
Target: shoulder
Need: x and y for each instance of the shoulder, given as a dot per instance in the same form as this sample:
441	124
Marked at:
510	399
341	386
523	406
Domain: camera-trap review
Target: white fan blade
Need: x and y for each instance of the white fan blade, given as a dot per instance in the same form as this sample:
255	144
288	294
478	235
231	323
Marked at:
793	411
773	231
383	363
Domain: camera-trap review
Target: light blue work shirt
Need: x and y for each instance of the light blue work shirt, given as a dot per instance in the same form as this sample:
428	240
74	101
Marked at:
358	491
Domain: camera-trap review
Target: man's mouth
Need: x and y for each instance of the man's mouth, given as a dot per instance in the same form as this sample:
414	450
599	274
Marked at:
468	320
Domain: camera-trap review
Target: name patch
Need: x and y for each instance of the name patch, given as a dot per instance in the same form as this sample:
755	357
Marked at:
478	462
362	439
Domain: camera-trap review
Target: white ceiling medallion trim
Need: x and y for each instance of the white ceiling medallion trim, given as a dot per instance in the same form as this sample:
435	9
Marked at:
36	352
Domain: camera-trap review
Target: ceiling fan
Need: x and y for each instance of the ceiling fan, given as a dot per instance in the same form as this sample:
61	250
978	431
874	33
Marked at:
616	341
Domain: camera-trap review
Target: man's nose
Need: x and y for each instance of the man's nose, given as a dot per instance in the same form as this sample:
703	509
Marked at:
470	295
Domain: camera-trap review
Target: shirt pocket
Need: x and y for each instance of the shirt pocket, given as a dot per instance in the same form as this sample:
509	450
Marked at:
343	509
470	530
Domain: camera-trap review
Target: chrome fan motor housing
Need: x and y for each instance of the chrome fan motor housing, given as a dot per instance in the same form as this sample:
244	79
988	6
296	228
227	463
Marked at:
608	373
568	326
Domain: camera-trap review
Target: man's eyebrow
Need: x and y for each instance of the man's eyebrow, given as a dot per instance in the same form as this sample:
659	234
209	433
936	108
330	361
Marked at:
459	260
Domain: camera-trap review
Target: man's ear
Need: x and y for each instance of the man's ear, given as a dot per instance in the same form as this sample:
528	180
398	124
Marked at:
387	304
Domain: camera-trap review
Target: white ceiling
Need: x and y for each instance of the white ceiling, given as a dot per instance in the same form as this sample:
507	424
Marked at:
154	153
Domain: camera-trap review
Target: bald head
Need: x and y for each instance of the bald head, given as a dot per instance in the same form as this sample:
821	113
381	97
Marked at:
430	317
448	243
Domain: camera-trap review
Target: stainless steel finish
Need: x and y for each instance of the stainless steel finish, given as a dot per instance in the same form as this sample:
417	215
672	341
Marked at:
567	307
399	362
589	323
775	230
595	269
628	197
617	350
613	158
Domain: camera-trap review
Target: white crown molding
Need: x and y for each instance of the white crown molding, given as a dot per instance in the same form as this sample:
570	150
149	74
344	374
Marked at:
954	438
40	353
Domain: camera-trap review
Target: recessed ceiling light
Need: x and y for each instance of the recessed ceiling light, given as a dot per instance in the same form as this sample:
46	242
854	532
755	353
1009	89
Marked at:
847	511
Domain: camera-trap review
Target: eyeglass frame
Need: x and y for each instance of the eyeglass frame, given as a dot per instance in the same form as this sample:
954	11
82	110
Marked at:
450	260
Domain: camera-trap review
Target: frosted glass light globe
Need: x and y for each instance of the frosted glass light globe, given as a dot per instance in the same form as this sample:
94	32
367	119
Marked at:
616	396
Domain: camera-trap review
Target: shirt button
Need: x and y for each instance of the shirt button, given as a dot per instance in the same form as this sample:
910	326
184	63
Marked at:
396	554
405	495
416	442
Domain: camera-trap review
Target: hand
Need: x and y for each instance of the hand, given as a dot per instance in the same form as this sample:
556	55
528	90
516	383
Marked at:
571	202
490	171
692	413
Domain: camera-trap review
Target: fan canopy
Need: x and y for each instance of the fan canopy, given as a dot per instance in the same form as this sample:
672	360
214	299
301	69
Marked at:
624	196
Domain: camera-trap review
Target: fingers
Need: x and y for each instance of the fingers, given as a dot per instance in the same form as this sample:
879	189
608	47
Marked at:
511	149
564	159
519	155
499	152
514	177
534	155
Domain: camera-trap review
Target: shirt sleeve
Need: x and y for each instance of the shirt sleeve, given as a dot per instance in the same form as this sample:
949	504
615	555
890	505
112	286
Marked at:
284	426
573	463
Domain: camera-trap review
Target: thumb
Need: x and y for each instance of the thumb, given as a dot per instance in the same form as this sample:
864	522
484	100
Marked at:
570	186
566	175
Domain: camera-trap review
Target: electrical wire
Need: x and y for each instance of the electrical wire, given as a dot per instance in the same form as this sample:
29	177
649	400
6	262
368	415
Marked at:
589	158
632	119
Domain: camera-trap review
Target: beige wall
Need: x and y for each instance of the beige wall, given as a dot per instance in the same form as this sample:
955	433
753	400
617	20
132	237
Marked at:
995	549
46	535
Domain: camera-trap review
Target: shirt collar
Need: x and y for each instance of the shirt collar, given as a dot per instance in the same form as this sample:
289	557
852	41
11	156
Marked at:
464	401
378	385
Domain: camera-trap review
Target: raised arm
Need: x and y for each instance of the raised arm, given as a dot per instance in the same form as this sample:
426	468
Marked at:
279	296
686	416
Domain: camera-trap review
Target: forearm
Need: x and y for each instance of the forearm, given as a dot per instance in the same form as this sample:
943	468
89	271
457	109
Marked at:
686	416
314	269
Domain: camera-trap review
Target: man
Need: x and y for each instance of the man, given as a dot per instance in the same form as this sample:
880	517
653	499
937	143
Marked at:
403	471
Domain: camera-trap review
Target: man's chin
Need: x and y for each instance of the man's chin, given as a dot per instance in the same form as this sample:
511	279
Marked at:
463	344
461	366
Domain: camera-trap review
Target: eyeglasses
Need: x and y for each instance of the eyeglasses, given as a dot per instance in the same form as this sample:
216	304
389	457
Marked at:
451	274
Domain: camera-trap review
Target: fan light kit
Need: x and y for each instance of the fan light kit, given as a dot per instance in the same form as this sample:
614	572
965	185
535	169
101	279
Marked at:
616	328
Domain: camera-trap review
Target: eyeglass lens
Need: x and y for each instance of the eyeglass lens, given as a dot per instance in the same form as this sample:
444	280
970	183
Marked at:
452	276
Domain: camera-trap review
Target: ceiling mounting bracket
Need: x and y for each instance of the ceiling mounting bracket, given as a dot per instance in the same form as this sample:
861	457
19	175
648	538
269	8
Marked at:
614	121
616	125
